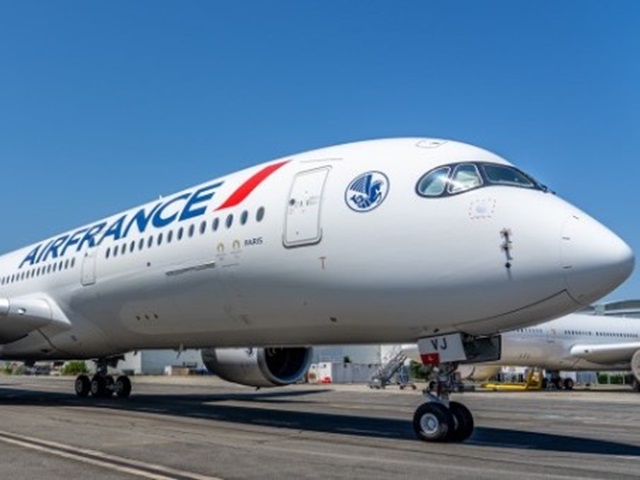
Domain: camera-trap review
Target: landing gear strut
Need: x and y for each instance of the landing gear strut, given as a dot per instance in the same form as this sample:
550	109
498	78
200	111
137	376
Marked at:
103	385
440	419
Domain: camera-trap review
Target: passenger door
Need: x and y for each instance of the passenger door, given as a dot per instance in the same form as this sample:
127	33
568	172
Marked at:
303	219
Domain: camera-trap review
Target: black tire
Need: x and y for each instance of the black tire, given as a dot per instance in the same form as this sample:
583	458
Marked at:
82	386
123	387
462	422
98	386
568	384
432	422
635	384
108	386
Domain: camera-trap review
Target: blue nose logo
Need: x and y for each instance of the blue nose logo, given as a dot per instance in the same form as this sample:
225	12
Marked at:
367	191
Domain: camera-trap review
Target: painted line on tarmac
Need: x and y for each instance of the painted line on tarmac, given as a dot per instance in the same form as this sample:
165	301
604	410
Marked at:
360	431
101	459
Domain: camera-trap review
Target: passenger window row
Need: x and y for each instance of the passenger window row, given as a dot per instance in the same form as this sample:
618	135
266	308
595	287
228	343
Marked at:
181	233
38	271
130	247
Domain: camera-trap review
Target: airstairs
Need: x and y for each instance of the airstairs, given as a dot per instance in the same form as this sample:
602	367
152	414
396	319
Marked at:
392	362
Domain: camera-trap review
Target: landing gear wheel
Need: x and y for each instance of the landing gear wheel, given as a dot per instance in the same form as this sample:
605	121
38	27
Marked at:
122	387
82	386
108	386
462	422
432	422
568	384
98	386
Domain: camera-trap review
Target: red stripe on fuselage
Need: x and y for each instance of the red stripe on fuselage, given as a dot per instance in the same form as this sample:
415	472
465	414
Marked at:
250	185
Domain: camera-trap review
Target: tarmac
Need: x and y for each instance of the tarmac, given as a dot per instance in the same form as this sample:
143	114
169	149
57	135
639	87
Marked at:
203	428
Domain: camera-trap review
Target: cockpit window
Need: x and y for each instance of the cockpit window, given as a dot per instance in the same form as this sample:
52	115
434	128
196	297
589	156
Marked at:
506	175
465	177
457	178
434	183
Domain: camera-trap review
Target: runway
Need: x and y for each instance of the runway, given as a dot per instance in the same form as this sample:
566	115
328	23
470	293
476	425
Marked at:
203	428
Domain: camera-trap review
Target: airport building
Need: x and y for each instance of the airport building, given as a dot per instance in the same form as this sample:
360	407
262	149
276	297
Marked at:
161	362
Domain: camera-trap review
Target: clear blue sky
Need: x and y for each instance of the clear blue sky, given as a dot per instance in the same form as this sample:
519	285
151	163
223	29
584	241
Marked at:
105	105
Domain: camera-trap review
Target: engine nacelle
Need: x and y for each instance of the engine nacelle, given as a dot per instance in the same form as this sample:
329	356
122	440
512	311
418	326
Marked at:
258	367
478	373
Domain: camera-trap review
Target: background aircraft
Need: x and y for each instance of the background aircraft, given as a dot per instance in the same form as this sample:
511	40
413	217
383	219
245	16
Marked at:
576	342
368	242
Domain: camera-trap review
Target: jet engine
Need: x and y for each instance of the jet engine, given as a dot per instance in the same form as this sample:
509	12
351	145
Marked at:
258	367
478	372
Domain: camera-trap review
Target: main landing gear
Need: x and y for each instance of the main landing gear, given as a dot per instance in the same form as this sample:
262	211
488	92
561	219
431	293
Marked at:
440	419
103	385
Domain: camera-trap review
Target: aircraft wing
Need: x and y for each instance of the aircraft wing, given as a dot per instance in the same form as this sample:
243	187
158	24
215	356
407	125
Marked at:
606	354
20	316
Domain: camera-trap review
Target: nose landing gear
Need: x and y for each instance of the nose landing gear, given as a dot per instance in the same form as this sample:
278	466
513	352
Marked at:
440	419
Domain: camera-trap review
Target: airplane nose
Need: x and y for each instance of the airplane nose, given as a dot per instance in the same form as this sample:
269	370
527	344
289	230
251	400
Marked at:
595	259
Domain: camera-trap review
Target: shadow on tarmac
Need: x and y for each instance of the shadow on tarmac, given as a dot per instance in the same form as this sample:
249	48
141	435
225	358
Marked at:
208	407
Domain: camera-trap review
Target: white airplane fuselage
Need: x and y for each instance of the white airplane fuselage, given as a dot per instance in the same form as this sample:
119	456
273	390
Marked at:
290	253
574	342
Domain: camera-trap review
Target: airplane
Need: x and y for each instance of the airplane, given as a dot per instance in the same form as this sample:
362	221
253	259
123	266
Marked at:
381	241
574	342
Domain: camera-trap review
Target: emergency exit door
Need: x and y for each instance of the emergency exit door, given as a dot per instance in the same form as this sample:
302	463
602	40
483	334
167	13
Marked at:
88	275
303	220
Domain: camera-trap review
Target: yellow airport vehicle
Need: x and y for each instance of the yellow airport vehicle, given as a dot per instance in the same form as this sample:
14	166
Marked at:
533	382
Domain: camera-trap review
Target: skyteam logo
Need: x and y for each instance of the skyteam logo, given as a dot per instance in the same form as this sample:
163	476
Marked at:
367	191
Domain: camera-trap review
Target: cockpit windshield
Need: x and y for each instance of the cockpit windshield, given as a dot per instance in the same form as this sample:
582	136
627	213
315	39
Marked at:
461	177
506	175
